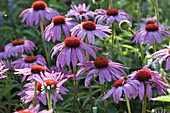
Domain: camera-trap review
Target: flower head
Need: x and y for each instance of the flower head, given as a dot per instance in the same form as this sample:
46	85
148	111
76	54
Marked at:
3	54
147	77
110	16
80	12
32	72
129	87
19	46
32	109
161	55
90	29
28	61
2	69
54	30
105	67
38	11
125	25
150	33
71	52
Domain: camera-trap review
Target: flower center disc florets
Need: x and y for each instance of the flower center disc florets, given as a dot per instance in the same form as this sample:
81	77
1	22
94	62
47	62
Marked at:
169	51
101	62
18	42
36	69
30	59
72	42
24	111
59	20
39	87
2	49
89	25
143	75
51	82
151	27
39	5
82	12
112	12
150	22
119	82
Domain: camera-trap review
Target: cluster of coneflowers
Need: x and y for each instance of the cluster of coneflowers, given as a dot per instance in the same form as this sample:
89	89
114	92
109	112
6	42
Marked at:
81	27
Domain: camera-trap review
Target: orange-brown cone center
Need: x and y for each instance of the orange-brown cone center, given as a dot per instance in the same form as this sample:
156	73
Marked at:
39	5
101	62
36	69
30	59
143	75
119	82
59	20
151	27
18	42
112	12
89	25
72	42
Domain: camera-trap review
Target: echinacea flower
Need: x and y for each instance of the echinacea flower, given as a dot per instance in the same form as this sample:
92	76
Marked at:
111	15
19	46
150	33
151	20
27	95
54	30
161	55
28	61
89	29
32	72
32	109
3	54
129	87
80	12
2	69
71	52
38	11
105	67
52	83
147	77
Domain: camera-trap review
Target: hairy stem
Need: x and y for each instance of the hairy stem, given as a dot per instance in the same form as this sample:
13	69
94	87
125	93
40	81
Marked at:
141	54
105	101
128	104
49	101
35	93
75	90
43	43
144	103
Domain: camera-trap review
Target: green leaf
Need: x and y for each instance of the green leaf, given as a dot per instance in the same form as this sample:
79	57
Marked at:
162	98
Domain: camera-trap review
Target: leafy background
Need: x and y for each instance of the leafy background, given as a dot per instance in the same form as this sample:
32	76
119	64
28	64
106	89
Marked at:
12	28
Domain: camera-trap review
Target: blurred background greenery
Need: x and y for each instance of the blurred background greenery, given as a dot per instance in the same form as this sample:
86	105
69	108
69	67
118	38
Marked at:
12	28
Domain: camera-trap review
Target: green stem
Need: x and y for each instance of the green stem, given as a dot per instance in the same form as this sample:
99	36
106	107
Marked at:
113	37
91	99
141	54
156	11
139	12
157	20
110	4
144	103
43	42
35	93
75	90
105	101
49	101
90	88
128	104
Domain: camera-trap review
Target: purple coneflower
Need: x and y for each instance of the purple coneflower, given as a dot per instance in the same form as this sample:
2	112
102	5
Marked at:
3	54
28	61
2	69
80	12
161	55
19	46
27	95
110	16
52	83
105	67
38	11
129	87
147	77
90	29
71	52
54	30
150	33
32	109
32	72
